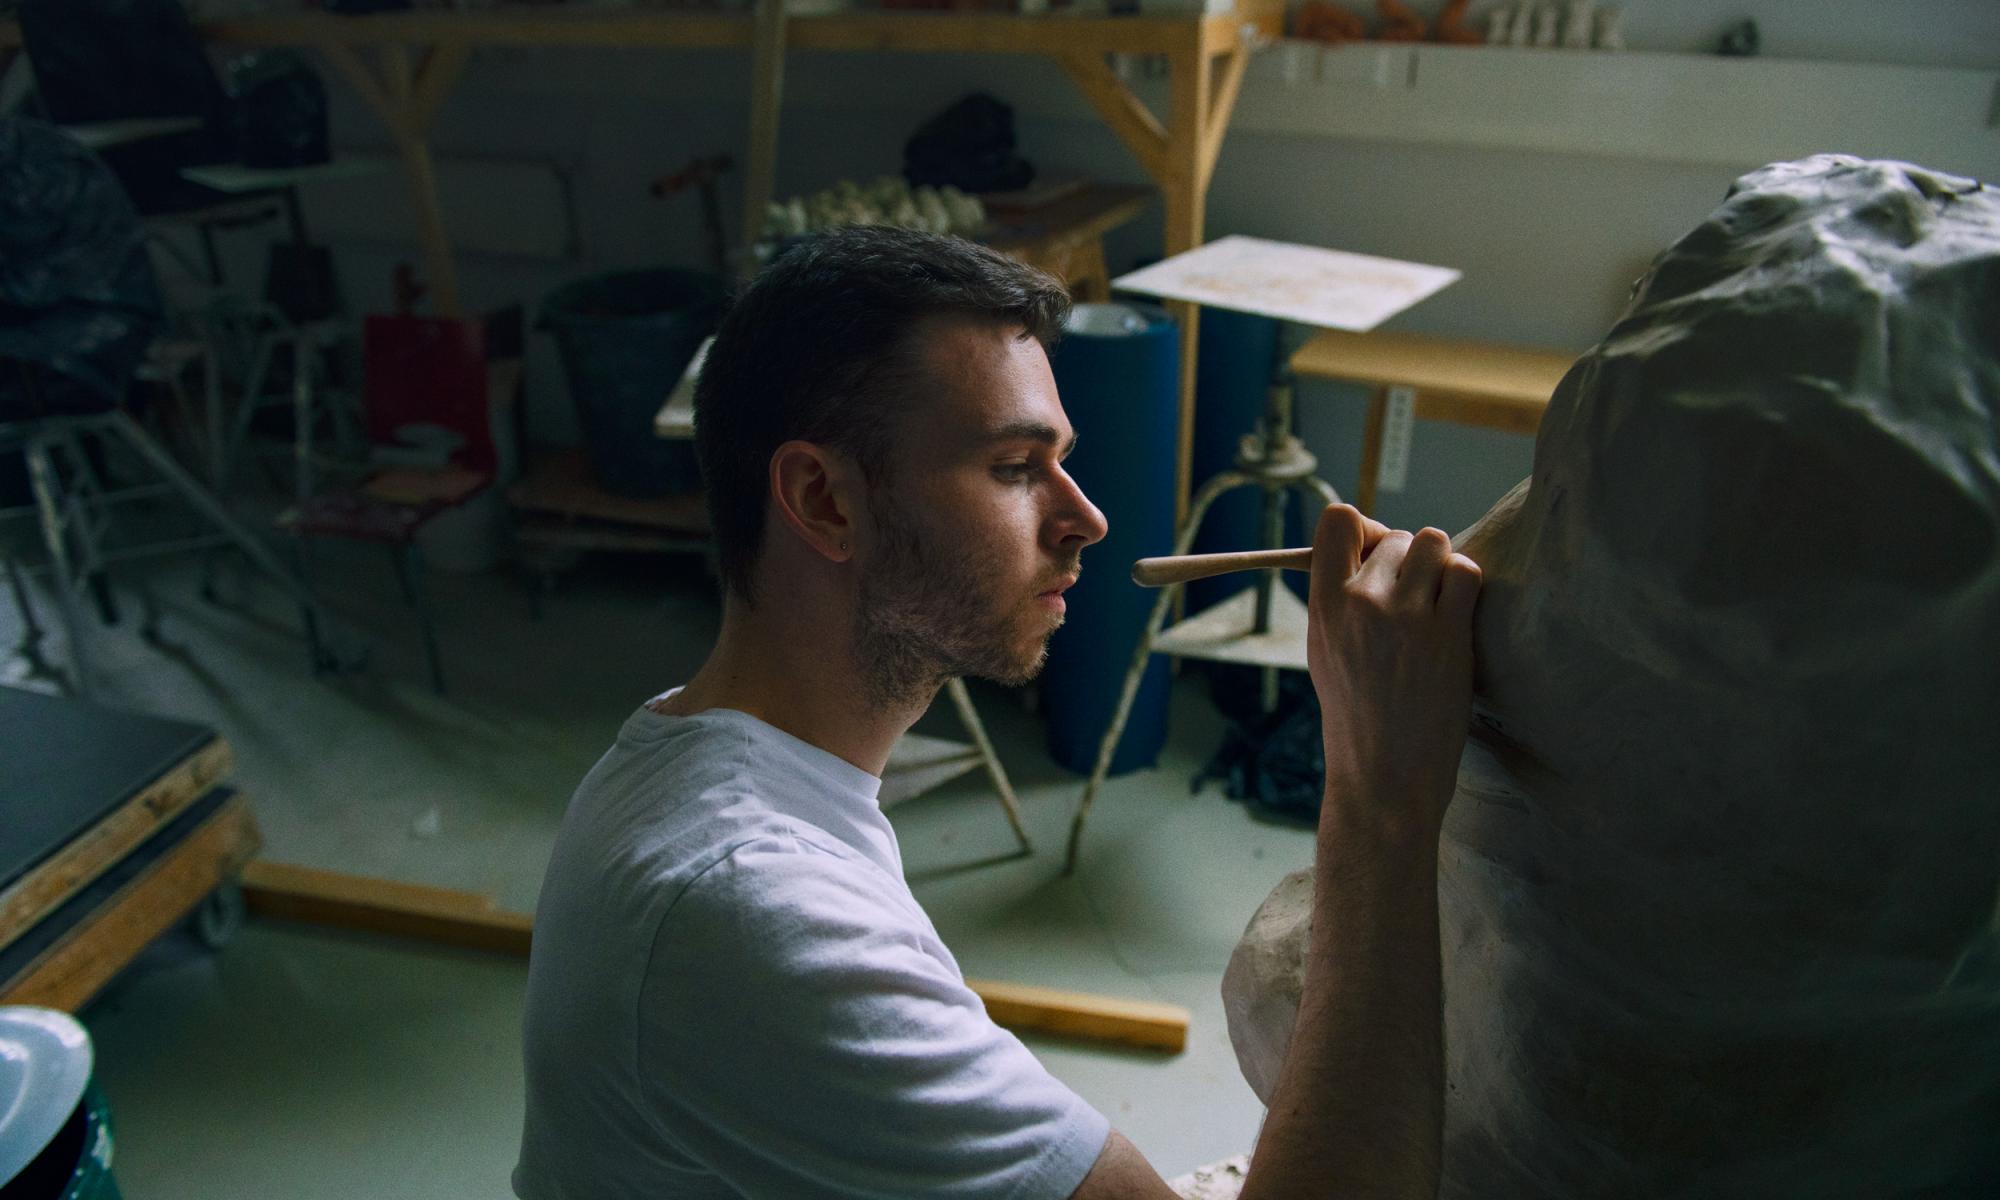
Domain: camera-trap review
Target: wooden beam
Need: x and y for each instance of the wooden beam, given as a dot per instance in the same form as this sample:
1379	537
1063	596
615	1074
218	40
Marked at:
1126	115
1186	193
294	893
406	101
435	77
71	971
72	868
767	88
361	79
1028	1009
354	902
1228	85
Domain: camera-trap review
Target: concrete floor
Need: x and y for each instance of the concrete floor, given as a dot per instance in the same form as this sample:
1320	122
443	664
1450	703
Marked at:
305	1063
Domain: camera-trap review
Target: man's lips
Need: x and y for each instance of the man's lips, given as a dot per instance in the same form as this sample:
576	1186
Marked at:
1061	586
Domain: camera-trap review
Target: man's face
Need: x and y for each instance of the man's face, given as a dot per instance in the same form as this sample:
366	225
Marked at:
979	529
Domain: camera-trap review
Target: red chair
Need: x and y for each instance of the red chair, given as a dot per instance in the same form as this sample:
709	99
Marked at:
433	374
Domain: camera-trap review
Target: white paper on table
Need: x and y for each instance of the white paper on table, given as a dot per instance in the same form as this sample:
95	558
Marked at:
1328	288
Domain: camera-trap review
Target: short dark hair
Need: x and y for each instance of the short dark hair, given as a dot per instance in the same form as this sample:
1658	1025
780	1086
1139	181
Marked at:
824	346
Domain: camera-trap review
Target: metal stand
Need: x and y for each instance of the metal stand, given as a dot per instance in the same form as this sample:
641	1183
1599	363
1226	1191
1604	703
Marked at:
71	505
1276	462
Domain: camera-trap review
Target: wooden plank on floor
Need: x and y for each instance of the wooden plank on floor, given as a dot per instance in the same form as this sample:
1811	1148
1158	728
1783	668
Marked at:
71	970
295	893
457	918
1026	1008
84	858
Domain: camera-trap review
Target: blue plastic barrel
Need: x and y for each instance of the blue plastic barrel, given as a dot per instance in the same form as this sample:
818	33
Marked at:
624	339
1118	369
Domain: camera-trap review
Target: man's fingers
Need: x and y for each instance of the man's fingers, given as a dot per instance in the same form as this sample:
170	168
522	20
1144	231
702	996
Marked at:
1458	587
1417	582
1385	563
1338	544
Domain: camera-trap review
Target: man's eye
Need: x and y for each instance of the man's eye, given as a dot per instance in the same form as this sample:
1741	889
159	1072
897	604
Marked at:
1014	472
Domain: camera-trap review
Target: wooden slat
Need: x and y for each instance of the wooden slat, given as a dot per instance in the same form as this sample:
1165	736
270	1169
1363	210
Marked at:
1025	1008
73	969
295	893
72	868
1479	370
465	919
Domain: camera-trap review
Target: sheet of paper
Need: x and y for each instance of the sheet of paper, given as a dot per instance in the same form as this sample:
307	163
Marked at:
1327	288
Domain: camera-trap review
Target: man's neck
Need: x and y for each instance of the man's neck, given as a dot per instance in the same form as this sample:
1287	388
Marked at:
784	675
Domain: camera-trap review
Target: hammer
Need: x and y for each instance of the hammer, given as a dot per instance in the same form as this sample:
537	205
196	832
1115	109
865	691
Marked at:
1181	568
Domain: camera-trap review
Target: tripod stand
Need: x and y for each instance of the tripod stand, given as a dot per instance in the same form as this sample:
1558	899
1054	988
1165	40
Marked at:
1268	630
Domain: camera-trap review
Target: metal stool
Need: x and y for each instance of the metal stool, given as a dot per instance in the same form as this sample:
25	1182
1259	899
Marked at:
1277	462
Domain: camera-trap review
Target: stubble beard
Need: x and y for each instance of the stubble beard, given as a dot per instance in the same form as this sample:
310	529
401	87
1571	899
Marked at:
927	615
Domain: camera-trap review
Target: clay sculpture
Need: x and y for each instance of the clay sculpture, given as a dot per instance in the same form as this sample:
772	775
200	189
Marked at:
1720	886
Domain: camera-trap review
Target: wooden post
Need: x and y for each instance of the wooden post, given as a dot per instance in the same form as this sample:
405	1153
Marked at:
767	85
1186	189
1371	451
406	100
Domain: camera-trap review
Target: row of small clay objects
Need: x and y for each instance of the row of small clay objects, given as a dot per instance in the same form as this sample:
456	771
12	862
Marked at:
886	201
1577	25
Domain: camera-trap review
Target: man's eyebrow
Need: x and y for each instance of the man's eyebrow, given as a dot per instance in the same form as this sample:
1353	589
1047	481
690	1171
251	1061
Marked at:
1031	431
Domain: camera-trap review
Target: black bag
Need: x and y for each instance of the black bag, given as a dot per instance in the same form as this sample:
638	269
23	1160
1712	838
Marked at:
112	60
78	302
969	146
280	107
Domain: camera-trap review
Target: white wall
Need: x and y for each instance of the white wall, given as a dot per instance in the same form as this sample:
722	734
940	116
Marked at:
1549	229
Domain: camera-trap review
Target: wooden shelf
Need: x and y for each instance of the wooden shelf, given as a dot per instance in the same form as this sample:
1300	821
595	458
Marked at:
412	60
925	32
1468	383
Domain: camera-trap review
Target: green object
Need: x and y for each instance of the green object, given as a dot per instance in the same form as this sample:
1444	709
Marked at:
76	1165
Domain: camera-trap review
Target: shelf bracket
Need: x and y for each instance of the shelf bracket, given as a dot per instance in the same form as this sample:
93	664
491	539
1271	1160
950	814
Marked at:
406	97
1124	112
1228	86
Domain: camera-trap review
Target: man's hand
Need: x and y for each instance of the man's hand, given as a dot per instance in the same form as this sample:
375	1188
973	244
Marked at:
1389	646
1359	1105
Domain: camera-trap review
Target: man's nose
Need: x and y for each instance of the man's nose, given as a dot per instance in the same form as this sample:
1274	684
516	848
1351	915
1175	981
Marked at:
1078	522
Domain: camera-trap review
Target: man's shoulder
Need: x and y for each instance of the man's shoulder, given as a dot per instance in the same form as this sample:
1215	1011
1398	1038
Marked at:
790	871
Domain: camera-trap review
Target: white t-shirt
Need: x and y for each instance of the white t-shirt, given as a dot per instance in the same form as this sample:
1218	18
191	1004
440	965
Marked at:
733	993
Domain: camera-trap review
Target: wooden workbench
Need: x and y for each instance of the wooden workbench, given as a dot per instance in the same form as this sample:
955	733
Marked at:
413	59
117	826
1481	384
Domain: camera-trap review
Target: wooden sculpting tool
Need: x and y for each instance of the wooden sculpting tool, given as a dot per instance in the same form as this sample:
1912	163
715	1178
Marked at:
1181	568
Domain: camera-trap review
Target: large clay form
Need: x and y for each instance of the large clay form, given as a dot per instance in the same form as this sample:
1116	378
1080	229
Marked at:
1721	882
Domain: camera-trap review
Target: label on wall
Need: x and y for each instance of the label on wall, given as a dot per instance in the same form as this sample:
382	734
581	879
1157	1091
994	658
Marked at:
1399	419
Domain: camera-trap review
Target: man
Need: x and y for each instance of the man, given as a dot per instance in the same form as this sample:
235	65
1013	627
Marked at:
733	992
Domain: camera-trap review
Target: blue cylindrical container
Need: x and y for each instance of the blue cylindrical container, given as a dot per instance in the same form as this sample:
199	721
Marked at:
1118	369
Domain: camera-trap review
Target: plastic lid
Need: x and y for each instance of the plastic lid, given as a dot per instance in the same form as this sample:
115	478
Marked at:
44	1068
1106	320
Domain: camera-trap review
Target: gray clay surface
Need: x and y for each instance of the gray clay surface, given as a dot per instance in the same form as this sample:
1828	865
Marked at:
1721	881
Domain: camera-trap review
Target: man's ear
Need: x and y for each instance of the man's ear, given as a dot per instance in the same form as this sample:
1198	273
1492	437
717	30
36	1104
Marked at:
817	493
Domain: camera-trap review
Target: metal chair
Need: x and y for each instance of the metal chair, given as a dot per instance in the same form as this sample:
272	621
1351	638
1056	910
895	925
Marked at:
439	376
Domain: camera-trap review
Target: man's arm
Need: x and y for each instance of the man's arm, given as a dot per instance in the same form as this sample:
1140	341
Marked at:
1358	1110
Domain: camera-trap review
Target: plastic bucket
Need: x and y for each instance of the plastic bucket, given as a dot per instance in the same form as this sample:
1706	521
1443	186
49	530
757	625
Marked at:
1118	370
624	339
